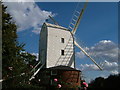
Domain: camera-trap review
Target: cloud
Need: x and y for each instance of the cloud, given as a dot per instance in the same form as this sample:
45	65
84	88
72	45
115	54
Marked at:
36	54
105	49
27	15
115	72
88	67
108	66
80	55
105	52
18	0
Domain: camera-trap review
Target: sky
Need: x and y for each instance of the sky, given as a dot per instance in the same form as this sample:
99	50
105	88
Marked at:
97	32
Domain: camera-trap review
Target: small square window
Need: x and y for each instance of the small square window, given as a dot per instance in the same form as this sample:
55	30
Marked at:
54	72
62	52
62	40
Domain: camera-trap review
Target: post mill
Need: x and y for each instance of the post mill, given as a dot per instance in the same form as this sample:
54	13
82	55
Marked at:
56	67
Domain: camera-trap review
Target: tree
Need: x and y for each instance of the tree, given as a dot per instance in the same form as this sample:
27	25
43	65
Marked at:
111	82
97	83
14	61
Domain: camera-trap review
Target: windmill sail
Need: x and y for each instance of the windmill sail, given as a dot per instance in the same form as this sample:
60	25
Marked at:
36	72
73	27
76	19
86	54
53	20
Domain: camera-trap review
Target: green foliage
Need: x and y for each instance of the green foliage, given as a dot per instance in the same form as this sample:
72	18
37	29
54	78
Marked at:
10	46
14	58
111	82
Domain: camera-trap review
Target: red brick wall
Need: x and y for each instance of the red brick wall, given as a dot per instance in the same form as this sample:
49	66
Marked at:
71	78
68	79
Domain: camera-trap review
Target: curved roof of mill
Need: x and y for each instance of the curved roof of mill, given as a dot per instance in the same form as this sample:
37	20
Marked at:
61	67
55	26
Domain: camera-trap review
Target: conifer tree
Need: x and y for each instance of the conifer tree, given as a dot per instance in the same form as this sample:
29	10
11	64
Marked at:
14	61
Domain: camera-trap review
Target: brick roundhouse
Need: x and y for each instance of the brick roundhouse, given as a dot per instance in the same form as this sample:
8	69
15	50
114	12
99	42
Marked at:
66	76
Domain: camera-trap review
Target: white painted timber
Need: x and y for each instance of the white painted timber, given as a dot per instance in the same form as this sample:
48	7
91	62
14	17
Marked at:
51	46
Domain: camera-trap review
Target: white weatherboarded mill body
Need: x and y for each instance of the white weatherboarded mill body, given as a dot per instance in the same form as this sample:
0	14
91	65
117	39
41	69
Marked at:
56	46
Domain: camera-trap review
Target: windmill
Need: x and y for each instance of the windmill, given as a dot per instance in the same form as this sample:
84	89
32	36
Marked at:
57	44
